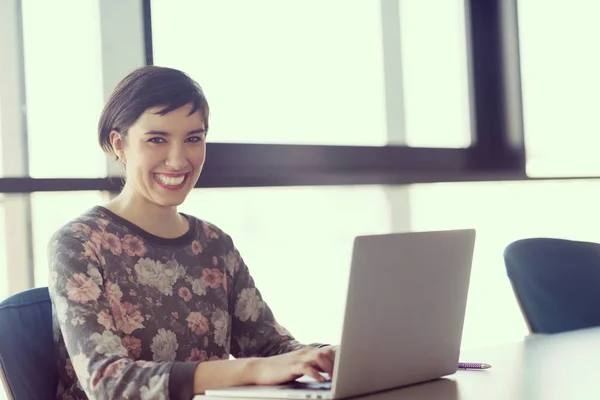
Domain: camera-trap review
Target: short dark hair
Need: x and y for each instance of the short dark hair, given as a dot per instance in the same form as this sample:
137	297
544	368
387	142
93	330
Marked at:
147	87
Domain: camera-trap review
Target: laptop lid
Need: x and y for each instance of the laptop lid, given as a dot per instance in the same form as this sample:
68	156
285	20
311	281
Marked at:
405	310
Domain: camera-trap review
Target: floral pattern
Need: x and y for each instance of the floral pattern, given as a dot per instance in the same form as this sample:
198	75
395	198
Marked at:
132	311
198	287
128	317
164	346
249	306
220	321
82	288
160	276
133	346
197	323
109	344
134	246
212	277
150	392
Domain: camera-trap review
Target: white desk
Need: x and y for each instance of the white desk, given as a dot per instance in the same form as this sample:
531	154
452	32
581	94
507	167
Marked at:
562	366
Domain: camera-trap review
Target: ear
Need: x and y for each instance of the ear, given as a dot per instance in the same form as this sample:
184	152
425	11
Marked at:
118	144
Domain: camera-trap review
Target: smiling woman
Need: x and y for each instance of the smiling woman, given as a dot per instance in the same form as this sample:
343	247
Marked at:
143	295
155	123
161	152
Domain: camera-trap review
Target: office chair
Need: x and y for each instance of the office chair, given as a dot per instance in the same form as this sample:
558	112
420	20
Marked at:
27	363
556	283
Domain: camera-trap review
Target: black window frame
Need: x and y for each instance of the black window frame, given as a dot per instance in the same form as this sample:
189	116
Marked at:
497	151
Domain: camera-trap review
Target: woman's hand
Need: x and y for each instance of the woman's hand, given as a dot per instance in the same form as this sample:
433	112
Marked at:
290	366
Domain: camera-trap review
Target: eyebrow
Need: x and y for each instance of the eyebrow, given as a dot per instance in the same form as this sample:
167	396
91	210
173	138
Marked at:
163	133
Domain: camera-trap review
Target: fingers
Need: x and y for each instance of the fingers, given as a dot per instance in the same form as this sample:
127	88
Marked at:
311	371
331	350
324	360
314	361
321	359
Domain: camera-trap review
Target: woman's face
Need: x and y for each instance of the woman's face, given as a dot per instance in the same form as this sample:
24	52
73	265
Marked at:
163	154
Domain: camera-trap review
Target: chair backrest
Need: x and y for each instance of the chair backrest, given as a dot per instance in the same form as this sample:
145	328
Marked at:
27	357
556	282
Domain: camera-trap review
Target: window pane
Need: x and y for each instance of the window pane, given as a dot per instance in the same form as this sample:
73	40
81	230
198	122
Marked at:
532	209
305	233
50	211
560	86
434	65
63	87
270	79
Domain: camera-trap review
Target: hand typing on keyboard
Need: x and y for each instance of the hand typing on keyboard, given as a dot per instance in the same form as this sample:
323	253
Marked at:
315	363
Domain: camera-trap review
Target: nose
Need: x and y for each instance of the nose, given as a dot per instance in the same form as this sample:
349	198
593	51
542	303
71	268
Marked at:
176	158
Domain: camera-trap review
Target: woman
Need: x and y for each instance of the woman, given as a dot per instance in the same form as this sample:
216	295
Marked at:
150	303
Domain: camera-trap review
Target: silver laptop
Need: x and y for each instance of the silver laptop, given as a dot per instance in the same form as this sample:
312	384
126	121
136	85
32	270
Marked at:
403	321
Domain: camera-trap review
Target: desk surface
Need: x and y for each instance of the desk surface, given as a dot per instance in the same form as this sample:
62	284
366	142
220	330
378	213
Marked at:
561	366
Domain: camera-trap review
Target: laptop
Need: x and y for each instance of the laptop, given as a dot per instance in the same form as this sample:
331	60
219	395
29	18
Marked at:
403	321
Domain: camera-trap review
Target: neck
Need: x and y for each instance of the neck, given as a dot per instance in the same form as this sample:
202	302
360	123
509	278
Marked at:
158	220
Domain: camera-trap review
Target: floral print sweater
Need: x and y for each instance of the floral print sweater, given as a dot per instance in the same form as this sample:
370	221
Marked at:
134	313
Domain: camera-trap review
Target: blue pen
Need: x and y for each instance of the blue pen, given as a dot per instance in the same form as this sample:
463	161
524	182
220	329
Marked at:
471	365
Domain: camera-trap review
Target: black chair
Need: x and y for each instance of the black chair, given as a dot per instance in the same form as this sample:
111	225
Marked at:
28	366
556	283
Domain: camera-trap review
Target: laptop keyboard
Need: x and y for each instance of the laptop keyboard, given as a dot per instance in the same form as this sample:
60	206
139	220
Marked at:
308	386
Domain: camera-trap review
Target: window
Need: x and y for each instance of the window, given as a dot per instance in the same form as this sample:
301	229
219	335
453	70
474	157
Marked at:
560	86
297	244
306	234
561	209
49	212
312	72
434	65
63	88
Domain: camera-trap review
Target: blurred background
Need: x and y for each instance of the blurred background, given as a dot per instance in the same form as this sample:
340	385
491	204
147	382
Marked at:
329	119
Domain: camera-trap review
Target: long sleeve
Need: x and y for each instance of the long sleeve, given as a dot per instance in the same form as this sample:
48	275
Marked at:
96	325
256	332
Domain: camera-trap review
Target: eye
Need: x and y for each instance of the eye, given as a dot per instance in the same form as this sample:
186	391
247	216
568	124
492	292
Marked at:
195	139
156	140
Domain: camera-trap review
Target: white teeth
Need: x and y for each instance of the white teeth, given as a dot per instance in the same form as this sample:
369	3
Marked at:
167	180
